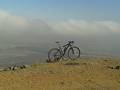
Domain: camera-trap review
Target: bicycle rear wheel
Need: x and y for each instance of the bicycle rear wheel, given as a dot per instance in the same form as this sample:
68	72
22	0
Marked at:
74	53
54	55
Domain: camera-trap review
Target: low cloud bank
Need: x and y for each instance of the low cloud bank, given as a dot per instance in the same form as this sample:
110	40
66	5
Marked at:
91	35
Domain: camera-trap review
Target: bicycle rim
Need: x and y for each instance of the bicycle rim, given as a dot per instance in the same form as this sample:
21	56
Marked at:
54	55
74	53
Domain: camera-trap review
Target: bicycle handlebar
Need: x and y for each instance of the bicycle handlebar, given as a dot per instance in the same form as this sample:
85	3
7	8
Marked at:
68	42
71	41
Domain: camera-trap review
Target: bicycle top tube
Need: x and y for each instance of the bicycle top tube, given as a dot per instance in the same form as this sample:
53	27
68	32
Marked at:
69	43
65	45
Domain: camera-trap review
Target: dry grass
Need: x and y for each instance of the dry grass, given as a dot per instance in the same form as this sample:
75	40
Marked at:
83	74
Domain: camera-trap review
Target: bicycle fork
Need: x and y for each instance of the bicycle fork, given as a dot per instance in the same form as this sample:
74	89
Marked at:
73	51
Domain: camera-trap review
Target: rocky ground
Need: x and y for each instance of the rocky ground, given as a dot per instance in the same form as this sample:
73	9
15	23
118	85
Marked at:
81	74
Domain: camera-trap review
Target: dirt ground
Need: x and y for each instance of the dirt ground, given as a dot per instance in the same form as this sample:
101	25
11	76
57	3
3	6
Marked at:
82	74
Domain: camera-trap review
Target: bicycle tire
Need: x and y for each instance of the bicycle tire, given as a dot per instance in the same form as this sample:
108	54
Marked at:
56	56
72	49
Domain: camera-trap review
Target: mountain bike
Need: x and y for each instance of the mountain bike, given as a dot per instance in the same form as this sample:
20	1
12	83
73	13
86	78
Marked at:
55	54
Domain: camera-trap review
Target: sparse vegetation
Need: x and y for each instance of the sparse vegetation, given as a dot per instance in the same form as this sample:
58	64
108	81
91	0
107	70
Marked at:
83	74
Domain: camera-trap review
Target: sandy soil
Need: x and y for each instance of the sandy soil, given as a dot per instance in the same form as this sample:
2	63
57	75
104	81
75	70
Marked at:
82	74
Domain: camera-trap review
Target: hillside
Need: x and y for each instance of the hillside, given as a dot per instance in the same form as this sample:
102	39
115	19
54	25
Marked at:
82	74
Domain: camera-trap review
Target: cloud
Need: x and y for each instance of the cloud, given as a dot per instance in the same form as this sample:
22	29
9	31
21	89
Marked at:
18	29
92	36
90	33
82	27
11	24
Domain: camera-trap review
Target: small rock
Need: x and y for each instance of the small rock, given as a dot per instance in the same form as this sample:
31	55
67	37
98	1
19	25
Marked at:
26	66
51	72
117	67
62	83
110	67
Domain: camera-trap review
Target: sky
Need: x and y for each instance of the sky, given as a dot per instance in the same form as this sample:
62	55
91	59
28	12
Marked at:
93	24
64	9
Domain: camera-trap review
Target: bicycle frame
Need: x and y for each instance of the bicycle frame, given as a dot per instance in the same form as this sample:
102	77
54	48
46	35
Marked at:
64	49
55	54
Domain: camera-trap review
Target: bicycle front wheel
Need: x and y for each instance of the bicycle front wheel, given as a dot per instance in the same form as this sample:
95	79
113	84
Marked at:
54	55
74	53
